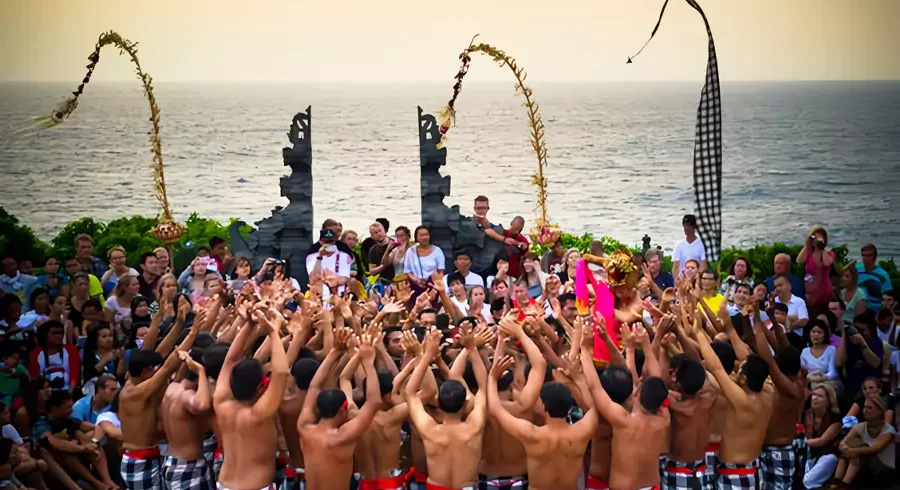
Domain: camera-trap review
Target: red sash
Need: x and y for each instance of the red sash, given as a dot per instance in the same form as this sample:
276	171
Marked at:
392	483
143	454
596	484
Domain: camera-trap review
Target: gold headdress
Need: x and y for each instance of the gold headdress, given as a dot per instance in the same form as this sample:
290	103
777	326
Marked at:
621	269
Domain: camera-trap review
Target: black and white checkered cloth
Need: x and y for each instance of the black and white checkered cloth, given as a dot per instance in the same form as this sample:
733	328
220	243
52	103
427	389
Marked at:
737	477
141	474
707	147
778	464
188	475
685	476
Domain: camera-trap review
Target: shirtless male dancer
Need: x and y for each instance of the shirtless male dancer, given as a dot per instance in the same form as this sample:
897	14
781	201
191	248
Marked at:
140	399
555	450
246	405
750	401
778	458
302	371
452	446
377	455
328	444
213	358
690	409
503	458
185	408
638	434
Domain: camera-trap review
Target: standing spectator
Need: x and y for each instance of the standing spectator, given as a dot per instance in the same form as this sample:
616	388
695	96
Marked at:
689	248
336	229
515	241
424	259
817	262
360	267
329	258
241	274
782	266
366	244
741	272
396	253
149	276
117	269
84	252
873	279
661	279
380	266
853	297
463	264
551	261
51	278
14	282
569	265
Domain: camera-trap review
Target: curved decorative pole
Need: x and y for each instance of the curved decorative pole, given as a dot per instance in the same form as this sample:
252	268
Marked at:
167	230
544	232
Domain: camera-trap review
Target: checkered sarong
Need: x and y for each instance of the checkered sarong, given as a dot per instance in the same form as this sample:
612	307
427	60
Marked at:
685	476
141	474
187	475
778	464
737	476
209	447
712	460
801	455
502	483
707	146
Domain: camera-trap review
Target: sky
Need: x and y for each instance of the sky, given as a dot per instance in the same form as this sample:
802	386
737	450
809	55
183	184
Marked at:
408	41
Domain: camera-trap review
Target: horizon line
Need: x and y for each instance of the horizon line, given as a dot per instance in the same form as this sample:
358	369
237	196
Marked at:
429	81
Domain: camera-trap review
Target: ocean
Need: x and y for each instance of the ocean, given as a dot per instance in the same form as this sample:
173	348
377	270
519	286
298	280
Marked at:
795	154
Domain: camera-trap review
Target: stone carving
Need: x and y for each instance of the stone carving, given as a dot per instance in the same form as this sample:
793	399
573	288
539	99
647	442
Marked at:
288	233
450	230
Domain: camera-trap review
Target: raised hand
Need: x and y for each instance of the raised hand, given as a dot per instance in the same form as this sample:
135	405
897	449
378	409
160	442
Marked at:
627	337
432	344
483	336
438	278
341	338
641	337
501	366
511	328
191	364
396	306
466	336
410	343
367	348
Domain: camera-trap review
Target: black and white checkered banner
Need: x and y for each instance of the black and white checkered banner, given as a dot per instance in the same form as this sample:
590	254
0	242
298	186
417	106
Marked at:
707	147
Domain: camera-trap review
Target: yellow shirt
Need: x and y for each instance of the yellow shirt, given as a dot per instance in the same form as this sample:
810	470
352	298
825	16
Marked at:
715	302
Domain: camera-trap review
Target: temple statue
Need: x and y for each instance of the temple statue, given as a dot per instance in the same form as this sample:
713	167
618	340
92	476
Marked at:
450	230
288	233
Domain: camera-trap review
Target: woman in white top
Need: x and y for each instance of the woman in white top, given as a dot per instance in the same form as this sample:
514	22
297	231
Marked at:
477	305
819	356
117	269
869	446
424	259
118	307
40	312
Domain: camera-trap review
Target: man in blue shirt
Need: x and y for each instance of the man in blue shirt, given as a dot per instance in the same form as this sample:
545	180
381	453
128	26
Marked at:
88	408
873	279
783	268
661	279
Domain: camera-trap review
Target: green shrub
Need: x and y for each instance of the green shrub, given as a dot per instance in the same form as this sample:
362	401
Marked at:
19	241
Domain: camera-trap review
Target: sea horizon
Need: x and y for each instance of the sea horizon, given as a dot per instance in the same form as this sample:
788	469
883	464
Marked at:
828	152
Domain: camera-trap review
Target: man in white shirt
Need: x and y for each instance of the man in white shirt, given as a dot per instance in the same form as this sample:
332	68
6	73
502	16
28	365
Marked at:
329	259
689	248
797	313
463	264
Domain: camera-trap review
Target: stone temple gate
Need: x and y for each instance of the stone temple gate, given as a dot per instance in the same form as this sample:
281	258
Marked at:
290	231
